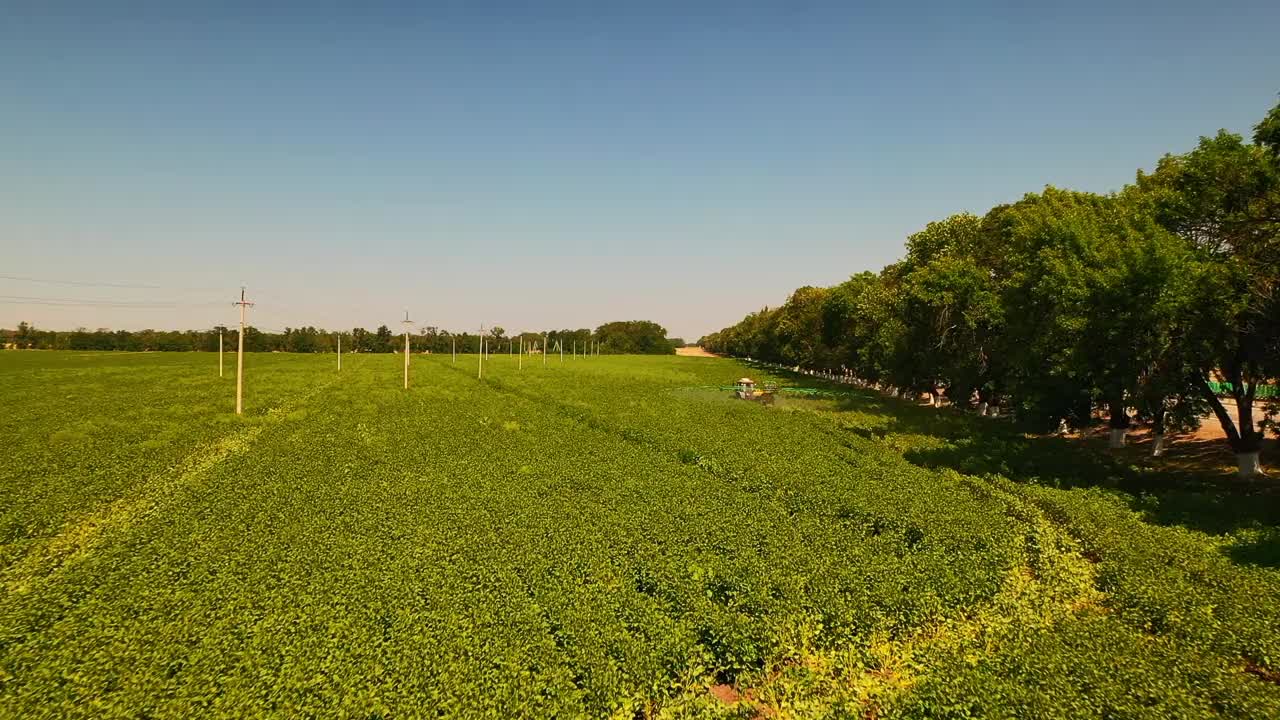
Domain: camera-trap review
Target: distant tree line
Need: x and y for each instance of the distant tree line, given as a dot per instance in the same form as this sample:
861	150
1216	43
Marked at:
1162	299
631	337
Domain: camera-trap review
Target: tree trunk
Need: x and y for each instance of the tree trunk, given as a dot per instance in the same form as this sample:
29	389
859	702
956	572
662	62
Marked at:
1224	418
1157	431
984	399
1119	424
1246	440
1250	435
1249	464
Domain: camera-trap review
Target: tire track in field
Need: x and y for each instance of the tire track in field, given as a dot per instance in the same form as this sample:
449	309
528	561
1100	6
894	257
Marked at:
76	540
1053	582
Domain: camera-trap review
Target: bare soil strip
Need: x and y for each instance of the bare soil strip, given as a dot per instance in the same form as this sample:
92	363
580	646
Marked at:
694	352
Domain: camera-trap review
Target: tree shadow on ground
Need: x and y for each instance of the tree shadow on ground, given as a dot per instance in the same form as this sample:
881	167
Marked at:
1262	549
1193	486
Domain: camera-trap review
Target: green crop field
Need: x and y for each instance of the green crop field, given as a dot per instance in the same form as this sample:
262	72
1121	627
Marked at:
598	538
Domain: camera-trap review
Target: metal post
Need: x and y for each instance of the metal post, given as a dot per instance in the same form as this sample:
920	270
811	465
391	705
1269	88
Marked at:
240	355
407	323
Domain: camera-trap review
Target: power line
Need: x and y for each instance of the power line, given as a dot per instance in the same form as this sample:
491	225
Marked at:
78	302
82	283
78	283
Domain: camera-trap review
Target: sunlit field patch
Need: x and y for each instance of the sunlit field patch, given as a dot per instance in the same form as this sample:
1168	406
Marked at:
598	538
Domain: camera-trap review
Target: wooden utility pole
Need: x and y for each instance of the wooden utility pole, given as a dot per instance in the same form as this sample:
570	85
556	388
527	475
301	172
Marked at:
407	324
243	303
544	349
454	338
219	352
339	352
561	344
480	371
520	362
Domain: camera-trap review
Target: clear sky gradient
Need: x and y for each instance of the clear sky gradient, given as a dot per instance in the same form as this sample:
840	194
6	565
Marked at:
560	164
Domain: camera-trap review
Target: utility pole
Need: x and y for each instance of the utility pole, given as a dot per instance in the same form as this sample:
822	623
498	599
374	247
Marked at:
520	362
454	338
407	324
561	344
243	303
339	352
219	352
480	371
544	349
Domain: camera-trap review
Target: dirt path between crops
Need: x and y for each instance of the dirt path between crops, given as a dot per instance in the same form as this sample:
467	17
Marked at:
694	352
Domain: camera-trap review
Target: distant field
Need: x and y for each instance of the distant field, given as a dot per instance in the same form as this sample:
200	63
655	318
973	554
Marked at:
611	537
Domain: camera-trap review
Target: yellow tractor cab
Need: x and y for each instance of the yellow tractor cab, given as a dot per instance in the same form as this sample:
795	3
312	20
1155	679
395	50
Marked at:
746	388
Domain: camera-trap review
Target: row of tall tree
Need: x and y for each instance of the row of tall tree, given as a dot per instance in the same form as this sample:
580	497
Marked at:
1161	300
637	336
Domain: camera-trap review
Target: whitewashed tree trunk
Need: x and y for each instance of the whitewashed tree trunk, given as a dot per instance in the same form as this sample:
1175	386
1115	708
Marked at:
1157	445
1249	464
1117	437
982	409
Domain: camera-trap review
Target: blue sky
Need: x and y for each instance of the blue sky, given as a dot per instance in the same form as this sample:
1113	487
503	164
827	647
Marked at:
561	164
